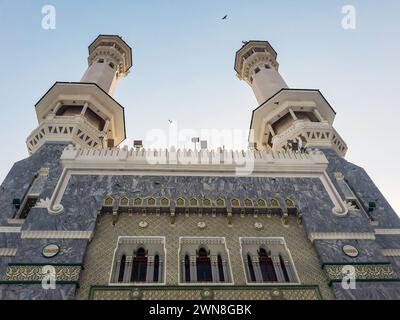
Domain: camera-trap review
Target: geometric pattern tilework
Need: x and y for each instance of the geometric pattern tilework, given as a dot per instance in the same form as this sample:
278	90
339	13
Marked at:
99	254
362	272
23	273
190	293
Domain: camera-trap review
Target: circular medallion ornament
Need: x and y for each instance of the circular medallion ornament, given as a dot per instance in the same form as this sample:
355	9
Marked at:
350	251
50	250
143	224
201	225
258	225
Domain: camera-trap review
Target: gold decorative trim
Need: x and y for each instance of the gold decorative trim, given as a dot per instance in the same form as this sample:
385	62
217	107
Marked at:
363	272
29	273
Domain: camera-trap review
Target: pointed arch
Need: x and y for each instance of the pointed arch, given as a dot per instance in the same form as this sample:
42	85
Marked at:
220	202
138	202
290	203
151	202
248	203
207	202
180	202
139	265
193	202
235	202
124	201
165	202
274	203
109	201
203	264
261	202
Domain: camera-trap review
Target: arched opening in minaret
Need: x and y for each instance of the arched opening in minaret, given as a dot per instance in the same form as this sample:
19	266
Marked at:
94	119
69	110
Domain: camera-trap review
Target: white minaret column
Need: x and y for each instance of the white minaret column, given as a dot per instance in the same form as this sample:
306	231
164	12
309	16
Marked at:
109	60
257	65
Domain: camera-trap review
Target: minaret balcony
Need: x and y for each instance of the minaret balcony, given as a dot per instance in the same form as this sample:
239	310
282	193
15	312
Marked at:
313	134
73	129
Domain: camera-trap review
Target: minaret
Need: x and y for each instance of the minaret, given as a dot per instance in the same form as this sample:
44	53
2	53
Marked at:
257	65
84	113
286	119
109	60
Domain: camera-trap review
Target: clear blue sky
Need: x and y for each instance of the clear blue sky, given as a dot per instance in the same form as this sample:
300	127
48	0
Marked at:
183	66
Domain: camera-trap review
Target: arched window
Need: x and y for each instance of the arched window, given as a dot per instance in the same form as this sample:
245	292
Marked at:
204	273
266	266
221	269
180	202
235	202
251	269
122	269
187	268
111	65
139	266
193	202
156	268
283	267
248	202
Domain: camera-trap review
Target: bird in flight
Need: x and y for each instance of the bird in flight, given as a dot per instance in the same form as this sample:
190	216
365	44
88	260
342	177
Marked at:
225	17
170	121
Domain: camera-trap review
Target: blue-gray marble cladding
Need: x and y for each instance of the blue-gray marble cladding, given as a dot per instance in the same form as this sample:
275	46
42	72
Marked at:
84	195
365	189
368	291
22	173
36	292
331	251
71	251
9	240
395	261
388	241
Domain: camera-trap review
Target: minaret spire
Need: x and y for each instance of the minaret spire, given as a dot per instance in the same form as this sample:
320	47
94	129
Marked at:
257	65
110	59
84	113
286	119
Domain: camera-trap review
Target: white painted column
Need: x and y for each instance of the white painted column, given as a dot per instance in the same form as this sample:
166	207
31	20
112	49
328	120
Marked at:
58	105
292	114
84	109
193	269
225	267
289	269
106	126
128	269
271	129
278	269
150	269
318	115
117	270
257	269
214	268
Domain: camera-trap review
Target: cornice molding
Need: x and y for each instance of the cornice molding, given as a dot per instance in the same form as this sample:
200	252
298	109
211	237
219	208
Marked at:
56	235
341	236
